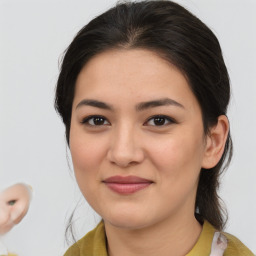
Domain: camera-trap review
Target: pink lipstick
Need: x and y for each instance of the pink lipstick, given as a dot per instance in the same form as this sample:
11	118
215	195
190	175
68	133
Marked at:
126	185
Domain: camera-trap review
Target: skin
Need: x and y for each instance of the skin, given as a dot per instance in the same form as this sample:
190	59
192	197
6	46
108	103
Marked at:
158	220
14	204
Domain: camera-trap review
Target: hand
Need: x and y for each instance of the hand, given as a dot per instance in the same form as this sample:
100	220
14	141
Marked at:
14	204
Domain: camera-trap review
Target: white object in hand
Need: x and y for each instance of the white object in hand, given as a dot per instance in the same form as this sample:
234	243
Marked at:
219	244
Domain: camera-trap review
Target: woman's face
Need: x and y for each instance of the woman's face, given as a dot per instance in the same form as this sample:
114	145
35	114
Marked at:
136	139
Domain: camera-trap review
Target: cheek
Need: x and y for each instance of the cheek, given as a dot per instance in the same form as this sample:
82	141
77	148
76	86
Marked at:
178	164
87	156
83	155
178	155
83	158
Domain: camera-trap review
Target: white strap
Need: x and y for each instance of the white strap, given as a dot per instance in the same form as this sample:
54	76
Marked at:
219	244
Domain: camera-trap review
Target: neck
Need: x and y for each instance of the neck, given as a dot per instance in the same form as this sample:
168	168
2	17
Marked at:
174	237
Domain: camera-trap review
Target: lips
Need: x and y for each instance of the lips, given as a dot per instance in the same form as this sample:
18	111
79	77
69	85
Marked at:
126	185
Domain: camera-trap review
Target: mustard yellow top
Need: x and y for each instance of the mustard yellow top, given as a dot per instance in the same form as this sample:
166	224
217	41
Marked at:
94	244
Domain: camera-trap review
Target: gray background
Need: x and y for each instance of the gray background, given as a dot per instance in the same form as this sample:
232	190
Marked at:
33	34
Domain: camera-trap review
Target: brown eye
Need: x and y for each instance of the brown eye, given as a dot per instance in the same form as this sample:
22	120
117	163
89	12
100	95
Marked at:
98	121
160	120
12	202
95	121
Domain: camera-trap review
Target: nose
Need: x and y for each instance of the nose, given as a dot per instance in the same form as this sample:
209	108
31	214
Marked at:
125	147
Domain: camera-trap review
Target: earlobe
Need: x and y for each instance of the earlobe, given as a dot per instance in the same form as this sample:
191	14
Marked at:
215	143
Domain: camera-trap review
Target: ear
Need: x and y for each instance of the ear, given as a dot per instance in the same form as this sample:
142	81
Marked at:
215	143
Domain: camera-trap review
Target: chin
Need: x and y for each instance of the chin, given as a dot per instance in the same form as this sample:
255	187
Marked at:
127	221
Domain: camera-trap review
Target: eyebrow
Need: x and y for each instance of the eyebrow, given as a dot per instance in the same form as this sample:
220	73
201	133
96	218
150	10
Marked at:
157	103
139	107
94	103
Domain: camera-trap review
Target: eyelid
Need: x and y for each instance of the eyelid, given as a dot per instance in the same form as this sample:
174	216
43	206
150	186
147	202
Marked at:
86	120
168	118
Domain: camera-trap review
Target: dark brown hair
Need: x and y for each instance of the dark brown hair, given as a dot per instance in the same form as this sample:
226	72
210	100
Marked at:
177	36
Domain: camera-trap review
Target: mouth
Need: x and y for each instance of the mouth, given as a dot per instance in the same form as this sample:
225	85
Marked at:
126	185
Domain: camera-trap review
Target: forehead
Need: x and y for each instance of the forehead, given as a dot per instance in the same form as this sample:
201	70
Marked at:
132	74
119	62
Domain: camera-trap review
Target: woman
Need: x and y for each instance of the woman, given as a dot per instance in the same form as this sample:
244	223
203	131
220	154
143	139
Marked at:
143	93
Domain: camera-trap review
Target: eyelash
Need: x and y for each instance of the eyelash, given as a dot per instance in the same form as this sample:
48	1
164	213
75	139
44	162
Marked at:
87	120
163	117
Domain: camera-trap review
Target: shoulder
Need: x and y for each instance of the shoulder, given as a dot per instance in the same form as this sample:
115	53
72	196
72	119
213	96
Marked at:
73	250
236	247
93	243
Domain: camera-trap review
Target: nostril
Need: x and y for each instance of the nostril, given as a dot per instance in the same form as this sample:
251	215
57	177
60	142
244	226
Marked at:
132	163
